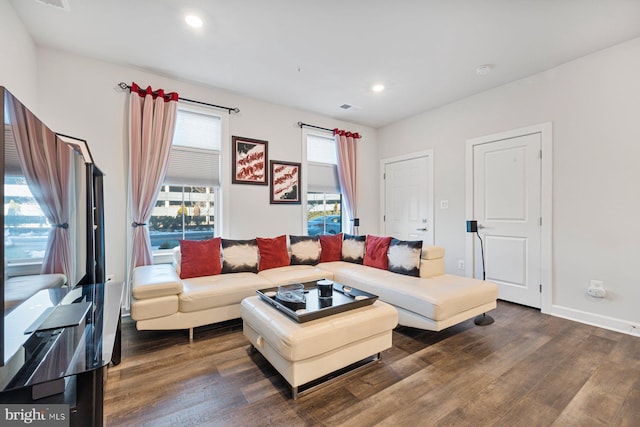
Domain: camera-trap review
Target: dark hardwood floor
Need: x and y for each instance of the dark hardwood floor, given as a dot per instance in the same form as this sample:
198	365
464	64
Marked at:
527	369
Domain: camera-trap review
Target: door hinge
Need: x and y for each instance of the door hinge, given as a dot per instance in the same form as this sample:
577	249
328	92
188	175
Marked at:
540	154
384	175
540	287
540	221
384	218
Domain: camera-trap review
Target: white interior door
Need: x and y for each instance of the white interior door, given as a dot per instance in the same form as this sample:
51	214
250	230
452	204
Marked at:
408	210
507	206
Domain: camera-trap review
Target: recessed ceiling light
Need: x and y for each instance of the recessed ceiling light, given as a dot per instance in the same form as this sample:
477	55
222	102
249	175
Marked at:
483	70
377	87
193	21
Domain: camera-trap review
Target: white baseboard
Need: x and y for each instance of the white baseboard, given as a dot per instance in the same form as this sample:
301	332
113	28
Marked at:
611	323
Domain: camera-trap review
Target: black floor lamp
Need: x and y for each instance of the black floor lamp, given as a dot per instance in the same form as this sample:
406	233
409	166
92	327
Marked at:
483	319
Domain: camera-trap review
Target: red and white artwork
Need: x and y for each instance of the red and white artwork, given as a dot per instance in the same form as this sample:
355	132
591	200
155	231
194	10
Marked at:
249	161
285	182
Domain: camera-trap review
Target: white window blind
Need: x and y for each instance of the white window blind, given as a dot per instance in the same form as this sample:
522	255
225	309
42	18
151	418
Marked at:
321	166
195	150
11	160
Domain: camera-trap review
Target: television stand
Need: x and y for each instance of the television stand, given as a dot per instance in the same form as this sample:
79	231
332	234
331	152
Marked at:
67	365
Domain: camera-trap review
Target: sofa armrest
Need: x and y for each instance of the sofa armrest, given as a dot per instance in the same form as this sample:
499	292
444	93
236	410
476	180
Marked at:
432	262
152	281
432	252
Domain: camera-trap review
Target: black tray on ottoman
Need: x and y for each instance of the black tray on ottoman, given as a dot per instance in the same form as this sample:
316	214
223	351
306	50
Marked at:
344	298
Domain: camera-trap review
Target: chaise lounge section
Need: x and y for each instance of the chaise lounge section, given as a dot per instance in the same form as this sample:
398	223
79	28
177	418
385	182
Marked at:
431	300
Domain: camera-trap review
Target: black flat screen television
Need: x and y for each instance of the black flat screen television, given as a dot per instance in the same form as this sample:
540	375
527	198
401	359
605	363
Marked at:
53	218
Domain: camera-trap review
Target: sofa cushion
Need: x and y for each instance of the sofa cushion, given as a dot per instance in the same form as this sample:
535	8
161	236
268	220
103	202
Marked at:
152	308
331	247
239	256
273	252
152	281
436	298
353	248
375	254
202	293
294	274
199	258
305	250
404	257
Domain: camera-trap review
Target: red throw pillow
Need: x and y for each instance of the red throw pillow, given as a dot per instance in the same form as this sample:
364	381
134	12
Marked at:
331	247
273	252
200	258
375	253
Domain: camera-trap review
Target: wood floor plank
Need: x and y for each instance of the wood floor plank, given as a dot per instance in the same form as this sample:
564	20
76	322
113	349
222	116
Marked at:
527	369
629	414
602	396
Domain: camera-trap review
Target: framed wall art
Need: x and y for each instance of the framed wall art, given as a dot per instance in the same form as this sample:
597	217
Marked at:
249	161
285	182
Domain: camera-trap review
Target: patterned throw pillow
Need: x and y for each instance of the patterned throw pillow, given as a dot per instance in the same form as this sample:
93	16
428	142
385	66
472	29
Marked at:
404	257
305	250
199	258
239	256
331	247
375	254
353	248
273	252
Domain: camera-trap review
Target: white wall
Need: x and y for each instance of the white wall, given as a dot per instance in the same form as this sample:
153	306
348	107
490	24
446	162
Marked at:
78	96
594	105
593	102
18	58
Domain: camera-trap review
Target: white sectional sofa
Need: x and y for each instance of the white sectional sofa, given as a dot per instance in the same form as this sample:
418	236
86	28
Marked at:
433	301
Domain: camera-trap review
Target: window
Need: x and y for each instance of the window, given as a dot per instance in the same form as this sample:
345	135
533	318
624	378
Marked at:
26	228
324	201
187	206
324	213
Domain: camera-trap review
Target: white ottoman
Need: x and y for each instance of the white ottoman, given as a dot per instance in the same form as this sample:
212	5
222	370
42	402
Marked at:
303	352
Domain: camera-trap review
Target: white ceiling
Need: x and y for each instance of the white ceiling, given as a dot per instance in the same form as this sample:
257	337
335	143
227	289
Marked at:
319	54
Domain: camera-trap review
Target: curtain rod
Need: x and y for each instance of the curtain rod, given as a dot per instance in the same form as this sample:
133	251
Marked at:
312	126
236	110
355	135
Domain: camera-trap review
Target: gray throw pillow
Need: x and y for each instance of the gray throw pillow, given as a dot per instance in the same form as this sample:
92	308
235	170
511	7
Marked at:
239	256
305	250
404	257
353	248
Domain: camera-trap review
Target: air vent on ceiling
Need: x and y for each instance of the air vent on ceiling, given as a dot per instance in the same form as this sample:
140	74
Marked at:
58	4
345	106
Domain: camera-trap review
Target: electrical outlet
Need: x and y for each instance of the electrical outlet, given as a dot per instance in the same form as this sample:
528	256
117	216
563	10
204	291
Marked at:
460	264
596	289
109	278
